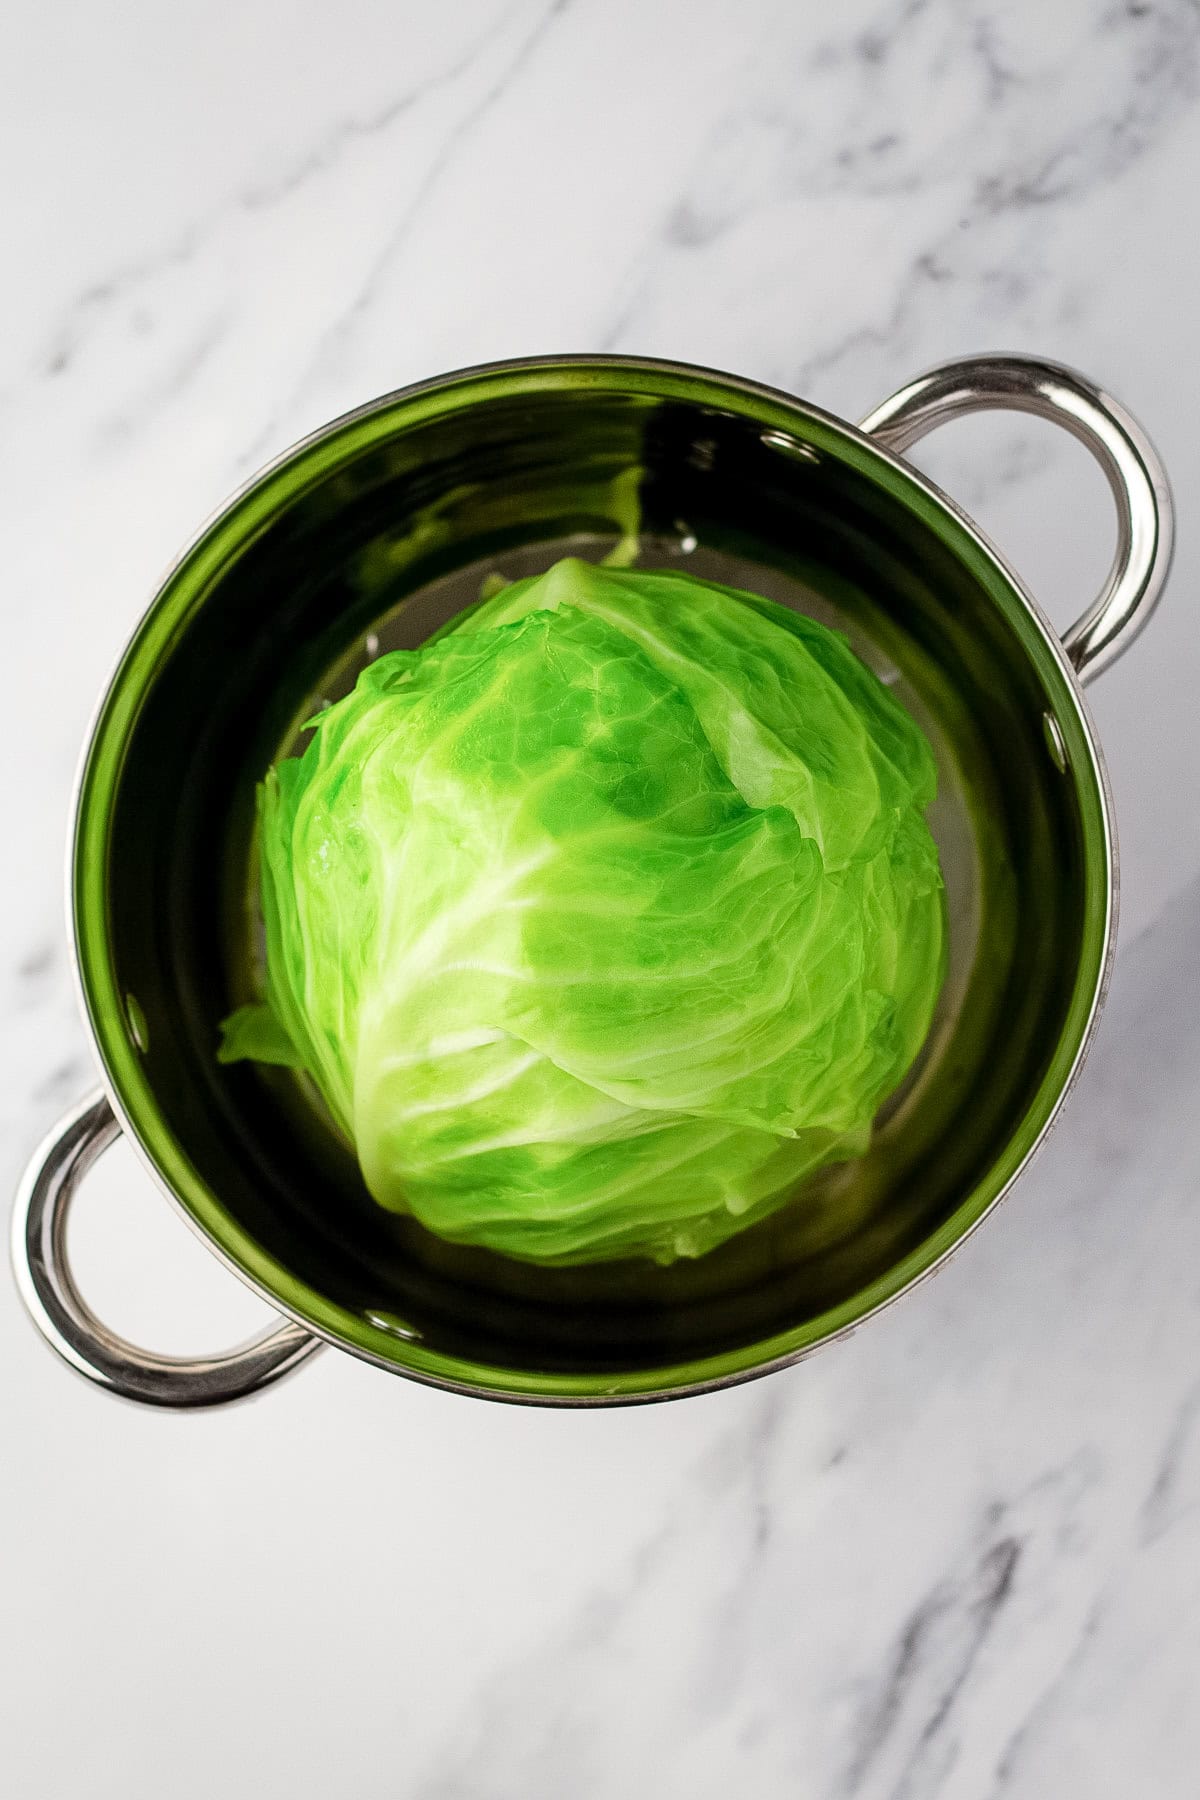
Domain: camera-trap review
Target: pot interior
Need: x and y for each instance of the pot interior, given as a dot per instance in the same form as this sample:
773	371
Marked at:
368	539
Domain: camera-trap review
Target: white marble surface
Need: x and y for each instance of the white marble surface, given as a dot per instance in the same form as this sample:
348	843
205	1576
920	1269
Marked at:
956	1558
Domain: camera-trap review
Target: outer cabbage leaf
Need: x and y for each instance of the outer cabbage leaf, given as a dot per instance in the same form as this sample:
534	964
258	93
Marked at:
604	917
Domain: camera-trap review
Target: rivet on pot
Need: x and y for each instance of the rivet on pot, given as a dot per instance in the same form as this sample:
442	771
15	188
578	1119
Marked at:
791	446
396	1326
135	1018
1055	742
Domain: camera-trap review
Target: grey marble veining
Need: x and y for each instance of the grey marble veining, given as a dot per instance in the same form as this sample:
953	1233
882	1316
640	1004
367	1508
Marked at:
954	1558
854	1617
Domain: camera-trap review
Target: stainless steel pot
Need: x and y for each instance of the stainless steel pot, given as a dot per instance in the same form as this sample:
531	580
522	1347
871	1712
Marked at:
373	531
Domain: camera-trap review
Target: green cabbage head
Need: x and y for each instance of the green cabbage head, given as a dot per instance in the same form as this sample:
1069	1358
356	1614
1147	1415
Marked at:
604	917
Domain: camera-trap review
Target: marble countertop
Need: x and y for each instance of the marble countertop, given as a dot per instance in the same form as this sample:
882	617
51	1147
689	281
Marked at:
954	1558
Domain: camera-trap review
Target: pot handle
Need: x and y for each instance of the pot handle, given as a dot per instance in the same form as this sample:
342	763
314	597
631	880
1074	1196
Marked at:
1145	514
39	1246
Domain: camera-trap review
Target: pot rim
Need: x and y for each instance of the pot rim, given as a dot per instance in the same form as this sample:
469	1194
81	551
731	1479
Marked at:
255	1268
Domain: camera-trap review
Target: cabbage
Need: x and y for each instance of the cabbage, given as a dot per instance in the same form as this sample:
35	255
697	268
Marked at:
604	917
